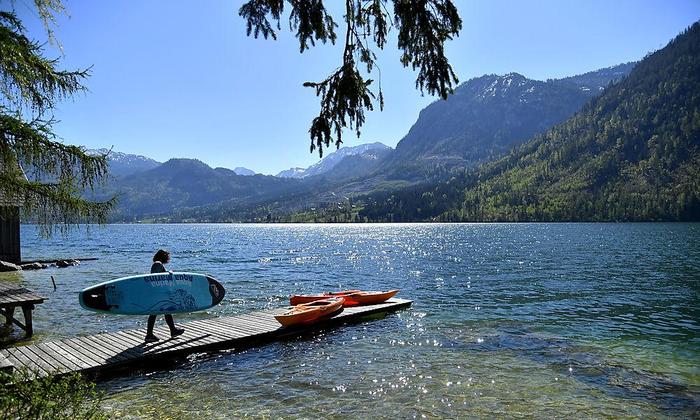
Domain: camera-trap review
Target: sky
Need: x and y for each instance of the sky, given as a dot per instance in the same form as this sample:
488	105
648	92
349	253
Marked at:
175	78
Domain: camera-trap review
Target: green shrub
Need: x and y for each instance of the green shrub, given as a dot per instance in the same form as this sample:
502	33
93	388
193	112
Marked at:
63	397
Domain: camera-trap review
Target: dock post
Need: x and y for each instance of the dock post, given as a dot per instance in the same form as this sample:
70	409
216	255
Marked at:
9	315
28	328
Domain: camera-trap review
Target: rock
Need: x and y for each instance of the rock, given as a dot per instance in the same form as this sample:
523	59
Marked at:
33	266
66	263
6	266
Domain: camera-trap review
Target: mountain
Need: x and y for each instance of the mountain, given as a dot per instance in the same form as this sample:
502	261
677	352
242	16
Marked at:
124	164
487	116
630	154
596	81
243	171
292	173
369	152
179	184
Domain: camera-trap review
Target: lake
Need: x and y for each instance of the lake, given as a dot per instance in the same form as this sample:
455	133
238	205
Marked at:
566	320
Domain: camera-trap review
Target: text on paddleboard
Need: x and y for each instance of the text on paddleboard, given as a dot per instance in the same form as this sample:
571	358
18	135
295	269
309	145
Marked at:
168	279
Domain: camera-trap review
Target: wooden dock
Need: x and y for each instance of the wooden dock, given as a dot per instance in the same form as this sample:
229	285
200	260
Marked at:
13	296
111	353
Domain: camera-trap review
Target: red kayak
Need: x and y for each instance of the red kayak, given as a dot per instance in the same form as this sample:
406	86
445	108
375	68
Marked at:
352	297
308	313
298	299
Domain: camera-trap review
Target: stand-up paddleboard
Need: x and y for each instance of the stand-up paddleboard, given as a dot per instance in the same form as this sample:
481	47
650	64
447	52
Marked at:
152	294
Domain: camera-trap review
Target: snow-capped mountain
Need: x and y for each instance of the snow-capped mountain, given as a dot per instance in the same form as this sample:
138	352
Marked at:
243	171
124	164
369	150
596	81
489	115
292	173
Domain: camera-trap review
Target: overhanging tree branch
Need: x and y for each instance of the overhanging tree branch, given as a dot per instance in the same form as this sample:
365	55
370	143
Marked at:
423	28
30	86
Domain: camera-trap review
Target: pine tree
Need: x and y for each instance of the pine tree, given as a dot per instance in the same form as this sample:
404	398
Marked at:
30	87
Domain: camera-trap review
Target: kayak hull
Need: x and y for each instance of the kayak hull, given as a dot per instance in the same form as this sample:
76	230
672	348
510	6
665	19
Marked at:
369	298
309	313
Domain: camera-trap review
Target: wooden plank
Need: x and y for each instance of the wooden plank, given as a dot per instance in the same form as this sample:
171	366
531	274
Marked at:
268	314
49	359
194	327
77	351
131	338
13	296
102	352
116	342
90	344
137	338
87	349
191	344
191	338
149	349
258	326
18	364
247	324
196	334
237	326
5	364
248	331
211	328
223	336
77	362
31	362
267	321
117	351
220	329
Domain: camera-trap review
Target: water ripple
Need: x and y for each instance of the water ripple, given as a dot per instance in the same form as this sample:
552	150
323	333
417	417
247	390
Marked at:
566	320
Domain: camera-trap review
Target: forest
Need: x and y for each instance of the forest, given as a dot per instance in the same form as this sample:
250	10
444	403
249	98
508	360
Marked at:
630	154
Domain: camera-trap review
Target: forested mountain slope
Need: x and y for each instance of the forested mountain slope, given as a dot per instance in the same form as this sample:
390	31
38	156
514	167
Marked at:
179	184
630	154
489	115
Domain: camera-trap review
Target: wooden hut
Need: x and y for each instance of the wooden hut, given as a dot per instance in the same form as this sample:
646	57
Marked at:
9	229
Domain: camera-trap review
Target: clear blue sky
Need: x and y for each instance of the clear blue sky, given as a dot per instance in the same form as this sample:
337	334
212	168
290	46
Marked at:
181	79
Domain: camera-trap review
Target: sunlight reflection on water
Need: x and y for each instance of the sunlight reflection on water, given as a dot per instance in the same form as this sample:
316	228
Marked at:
509	319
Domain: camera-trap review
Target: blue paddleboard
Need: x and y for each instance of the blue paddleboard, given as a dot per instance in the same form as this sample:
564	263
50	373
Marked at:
152	294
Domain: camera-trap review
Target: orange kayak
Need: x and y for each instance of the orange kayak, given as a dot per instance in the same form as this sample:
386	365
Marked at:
369	298
352	297
307	313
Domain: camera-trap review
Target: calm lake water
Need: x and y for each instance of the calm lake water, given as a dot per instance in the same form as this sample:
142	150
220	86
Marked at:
584	320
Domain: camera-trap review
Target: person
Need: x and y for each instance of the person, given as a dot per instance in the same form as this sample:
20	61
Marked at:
161	258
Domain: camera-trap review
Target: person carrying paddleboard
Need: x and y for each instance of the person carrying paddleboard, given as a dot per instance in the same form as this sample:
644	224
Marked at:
161	258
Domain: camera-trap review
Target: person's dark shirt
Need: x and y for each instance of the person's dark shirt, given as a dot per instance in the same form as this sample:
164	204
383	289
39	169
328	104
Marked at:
158	267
